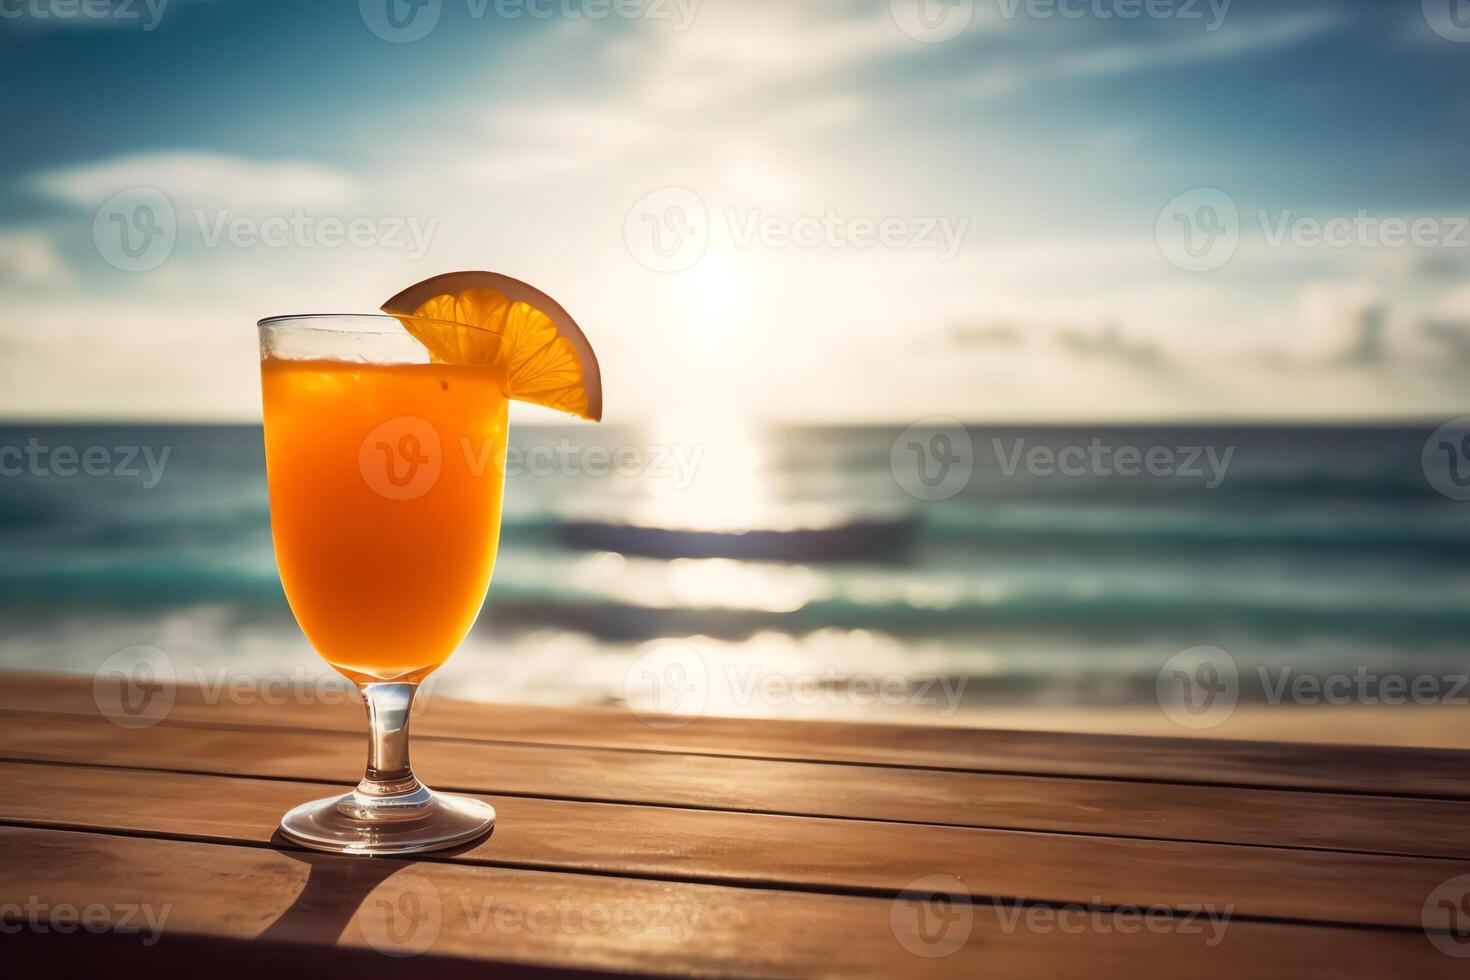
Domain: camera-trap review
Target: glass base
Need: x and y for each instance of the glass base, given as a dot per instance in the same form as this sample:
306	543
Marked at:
407	823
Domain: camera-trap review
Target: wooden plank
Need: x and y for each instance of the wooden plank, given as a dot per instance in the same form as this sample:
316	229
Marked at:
1085	806
1365	769
720	847
83	954
498	915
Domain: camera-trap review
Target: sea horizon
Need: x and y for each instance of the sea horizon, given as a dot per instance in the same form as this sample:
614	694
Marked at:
796	553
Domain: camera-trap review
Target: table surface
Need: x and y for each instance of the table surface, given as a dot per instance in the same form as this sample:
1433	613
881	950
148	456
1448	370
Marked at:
722	846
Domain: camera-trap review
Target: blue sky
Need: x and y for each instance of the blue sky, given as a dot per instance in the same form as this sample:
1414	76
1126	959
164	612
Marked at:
1030	169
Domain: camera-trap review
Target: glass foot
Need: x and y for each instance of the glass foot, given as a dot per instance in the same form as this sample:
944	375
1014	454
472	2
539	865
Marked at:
407	823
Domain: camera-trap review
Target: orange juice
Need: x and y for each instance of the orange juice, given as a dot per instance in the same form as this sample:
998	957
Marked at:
385	494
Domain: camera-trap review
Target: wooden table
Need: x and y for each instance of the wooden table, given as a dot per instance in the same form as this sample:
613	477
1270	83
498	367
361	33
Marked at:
722	847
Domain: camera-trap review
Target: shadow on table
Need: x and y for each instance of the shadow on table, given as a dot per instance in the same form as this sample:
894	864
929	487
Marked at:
395	905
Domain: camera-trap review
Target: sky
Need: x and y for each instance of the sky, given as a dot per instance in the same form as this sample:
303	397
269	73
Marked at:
1013	210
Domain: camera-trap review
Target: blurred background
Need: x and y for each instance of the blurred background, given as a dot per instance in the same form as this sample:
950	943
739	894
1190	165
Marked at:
1078	364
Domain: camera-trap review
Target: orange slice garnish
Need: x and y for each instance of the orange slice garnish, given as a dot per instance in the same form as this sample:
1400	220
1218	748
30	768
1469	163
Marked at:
485	318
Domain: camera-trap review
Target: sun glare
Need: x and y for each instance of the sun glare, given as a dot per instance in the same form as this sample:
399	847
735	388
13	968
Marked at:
712	302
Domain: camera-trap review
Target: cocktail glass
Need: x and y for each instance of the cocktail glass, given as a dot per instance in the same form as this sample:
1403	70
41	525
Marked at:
386	473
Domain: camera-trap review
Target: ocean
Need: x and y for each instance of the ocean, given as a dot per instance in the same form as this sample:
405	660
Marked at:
792	564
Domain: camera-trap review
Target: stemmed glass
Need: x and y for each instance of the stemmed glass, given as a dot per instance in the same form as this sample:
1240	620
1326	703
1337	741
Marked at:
386	473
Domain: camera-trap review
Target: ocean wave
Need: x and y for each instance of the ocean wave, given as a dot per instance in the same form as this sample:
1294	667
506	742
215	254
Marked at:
1082	603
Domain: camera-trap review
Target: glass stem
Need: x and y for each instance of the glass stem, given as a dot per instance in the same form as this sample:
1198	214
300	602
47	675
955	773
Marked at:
388	772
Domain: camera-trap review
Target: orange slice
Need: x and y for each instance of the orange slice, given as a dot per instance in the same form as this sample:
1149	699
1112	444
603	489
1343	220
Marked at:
486	318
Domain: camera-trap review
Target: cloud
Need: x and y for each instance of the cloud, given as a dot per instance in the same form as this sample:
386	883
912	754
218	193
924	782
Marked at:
696	92
1445	327
1439	265
202	180
1109	344
116	359
29	258
1368	337
979	336
1452	337
1336	320
994	82
1238	40
736	50
1235	41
